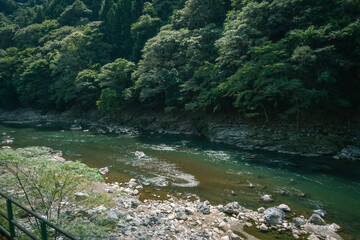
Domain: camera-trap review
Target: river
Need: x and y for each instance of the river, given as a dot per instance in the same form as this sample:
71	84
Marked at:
220	174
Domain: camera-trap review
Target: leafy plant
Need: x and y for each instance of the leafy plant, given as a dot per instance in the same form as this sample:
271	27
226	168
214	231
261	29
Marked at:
47	185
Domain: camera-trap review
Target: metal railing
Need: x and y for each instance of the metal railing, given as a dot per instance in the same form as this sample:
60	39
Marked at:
11	233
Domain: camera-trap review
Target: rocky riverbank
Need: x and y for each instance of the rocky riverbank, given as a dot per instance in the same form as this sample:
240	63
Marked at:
182	217
308	142
177	218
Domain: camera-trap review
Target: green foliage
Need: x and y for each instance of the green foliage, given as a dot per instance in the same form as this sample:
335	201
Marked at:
74	13
4	20
56	7
145	28
165	8
262	58
119	24
87	89
304	74
65	66
34	83
95	199
78	51
30	35
89	230
169	60
106	6
201	125
116	75
201	92
40	15
8	65
24	16
108	102
115	79
199	14
45	184
265	82
7	34
8	6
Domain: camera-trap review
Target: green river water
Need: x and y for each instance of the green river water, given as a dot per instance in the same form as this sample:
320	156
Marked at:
192	165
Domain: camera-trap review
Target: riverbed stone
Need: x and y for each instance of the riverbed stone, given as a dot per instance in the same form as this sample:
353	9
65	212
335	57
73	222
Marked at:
248	224
111	215
233	208
140	155
263	228
298	222
284	207
322	231
181	215
132	183
204	207
267	198
134	203
313	237
261	209
274	215
320	212
104	171
234	236
316	219
58	158
206	210
190	210
334	227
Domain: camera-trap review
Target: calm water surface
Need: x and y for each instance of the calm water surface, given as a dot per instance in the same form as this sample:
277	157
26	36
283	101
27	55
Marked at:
191	165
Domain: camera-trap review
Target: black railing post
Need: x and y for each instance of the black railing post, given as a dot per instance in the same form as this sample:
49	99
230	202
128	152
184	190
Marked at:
43	230
11	218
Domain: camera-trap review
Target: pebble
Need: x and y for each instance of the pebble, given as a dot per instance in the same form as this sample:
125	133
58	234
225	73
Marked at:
313	237
264	228
261	209
248	224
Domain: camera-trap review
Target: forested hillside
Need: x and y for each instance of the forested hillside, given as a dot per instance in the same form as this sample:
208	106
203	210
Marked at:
270	58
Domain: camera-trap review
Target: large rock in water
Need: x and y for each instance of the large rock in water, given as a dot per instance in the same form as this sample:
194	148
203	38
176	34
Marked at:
274	215
284	207
320	212
298	222
316	219
104	170
141	156
266	198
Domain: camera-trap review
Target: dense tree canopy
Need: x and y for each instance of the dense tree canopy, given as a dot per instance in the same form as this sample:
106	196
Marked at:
268	58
